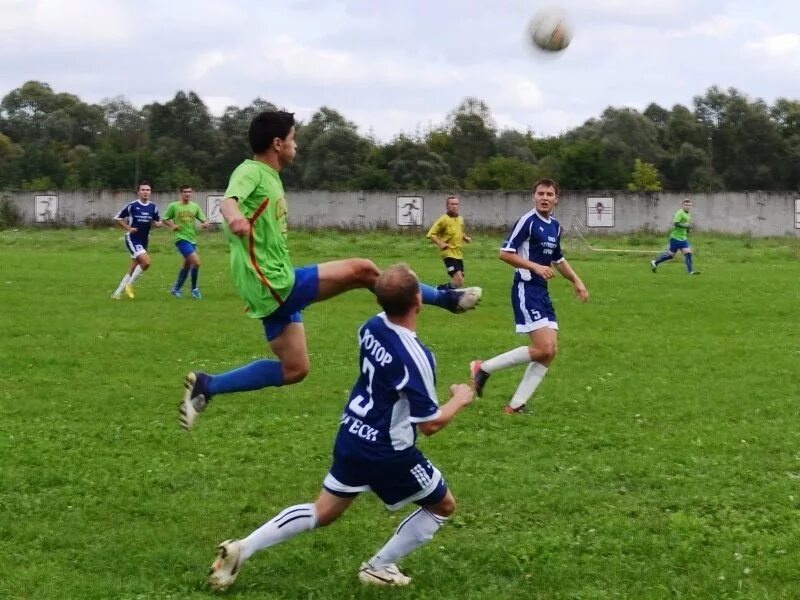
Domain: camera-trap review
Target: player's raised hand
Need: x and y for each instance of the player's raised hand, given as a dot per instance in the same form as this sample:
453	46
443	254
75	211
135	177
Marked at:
239	226
462	393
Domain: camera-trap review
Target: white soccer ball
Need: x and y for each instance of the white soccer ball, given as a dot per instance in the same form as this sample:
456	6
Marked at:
549	30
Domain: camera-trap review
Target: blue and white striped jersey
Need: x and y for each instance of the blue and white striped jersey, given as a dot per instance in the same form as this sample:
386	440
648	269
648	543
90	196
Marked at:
395	390
536	239
140	216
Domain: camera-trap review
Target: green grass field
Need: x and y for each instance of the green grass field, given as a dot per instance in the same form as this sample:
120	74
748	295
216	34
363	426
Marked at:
661	460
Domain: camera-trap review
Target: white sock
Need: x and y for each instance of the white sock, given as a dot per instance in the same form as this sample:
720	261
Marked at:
416	530
512	358
530	381
283	526
123	283
137	272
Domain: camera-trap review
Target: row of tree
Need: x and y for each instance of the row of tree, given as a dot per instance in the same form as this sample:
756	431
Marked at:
726	140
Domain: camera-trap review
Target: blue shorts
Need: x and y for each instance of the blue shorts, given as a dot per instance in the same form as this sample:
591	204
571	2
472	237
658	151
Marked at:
304	292
532	307
135	245
411	478
186	248
675	245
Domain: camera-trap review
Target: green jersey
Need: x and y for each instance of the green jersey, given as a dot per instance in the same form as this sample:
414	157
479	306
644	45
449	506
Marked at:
184	216
680	233
262	271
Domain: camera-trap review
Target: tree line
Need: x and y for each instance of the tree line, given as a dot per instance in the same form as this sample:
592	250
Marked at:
724	141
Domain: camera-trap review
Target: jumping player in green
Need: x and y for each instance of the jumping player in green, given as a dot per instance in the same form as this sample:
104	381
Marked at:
679	239
180	217
255	213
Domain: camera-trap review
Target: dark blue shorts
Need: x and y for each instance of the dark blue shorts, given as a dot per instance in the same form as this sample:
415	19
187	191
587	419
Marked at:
453	265
135	245
186	248
676	245
304	292
397	482
532	307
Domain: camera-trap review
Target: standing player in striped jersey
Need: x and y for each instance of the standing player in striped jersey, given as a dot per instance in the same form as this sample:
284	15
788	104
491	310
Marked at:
255	213
533	246
393	397
136	219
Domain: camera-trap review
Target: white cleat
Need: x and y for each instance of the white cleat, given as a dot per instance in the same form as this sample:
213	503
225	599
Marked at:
225	568
116	296
388	575
468	299
195	399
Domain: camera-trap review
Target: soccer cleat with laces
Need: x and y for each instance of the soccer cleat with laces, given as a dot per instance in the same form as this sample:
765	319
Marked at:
195	399
522	410
653	266
388	575
196	294
129	291
176	293
225	568
464	299
479	376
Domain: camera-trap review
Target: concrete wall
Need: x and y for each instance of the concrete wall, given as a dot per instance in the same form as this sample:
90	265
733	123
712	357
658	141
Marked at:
757	213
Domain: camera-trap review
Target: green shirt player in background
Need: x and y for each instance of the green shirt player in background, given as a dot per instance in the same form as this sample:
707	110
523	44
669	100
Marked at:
255	213
180	217
679	239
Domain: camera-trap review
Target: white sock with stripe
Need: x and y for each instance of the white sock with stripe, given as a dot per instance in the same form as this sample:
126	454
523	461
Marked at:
137	272
415	531
512	358
122	284
283	526
530	381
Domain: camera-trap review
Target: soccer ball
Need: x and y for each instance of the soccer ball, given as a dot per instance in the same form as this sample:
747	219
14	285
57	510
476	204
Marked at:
549	30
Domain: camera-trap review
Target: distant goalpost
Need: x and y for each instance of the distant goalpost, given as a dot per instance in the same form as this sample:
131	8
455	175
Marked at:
599	213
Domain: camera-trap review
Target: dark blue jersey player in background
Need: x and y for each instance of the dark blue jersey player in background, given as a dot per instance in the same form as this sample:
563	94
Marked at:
136	218
394	396
532	247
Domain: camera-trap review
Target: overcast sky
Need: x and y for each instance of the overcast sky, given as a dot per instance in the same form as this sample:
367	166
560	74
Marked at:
401	65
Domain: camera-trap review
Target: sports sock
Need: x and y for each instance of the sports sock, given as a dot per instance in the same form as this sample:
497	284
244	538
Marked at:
431	295
283	526
664	257
688	258
137	272
512	358
258	374
123	283
195	271
417	529
182	274
530	381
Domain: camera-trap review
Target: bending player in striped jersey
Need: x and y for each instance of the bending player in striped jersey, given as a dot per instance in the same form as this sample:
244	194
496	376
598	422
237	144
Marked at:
534	244
255	213
394	396
136	218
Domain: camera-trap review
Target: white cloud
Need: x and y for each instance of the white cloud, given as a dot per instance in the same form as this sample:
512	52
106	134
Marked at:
84	22
780	46
718	26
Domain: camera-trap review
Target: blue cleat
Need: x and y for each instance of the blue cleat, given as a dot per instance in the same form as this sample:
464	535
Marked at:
176	293
196	294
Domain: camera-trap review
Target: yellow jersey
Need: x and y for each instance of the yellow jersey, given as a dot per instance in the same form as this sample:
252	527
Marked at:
449	230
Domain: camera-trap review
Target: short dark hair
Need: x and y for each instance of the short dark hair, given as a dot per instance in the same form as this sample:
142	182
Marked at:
546	183
396	290
267	126
450	197
185	187
144	182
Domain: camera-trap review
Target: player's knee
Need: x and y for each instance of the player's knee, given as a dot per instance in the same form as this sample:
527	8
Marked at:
365	271
325	517
196	261
296	372
445	508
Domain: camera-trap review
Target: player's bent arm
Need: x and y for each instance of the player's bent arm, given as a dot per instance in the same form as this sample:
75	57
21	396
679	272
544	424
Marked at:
437	241
516	261
233	215
569	273
170	224
461	396
122	223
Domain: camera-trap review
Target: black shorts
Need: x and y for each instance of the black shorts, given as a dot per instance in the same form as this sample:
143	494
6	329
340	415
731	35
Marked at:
453	265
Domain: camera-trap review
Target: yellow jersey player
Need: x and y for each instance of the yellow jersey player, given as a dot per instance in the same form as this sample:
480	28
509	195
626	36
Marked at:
448	233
